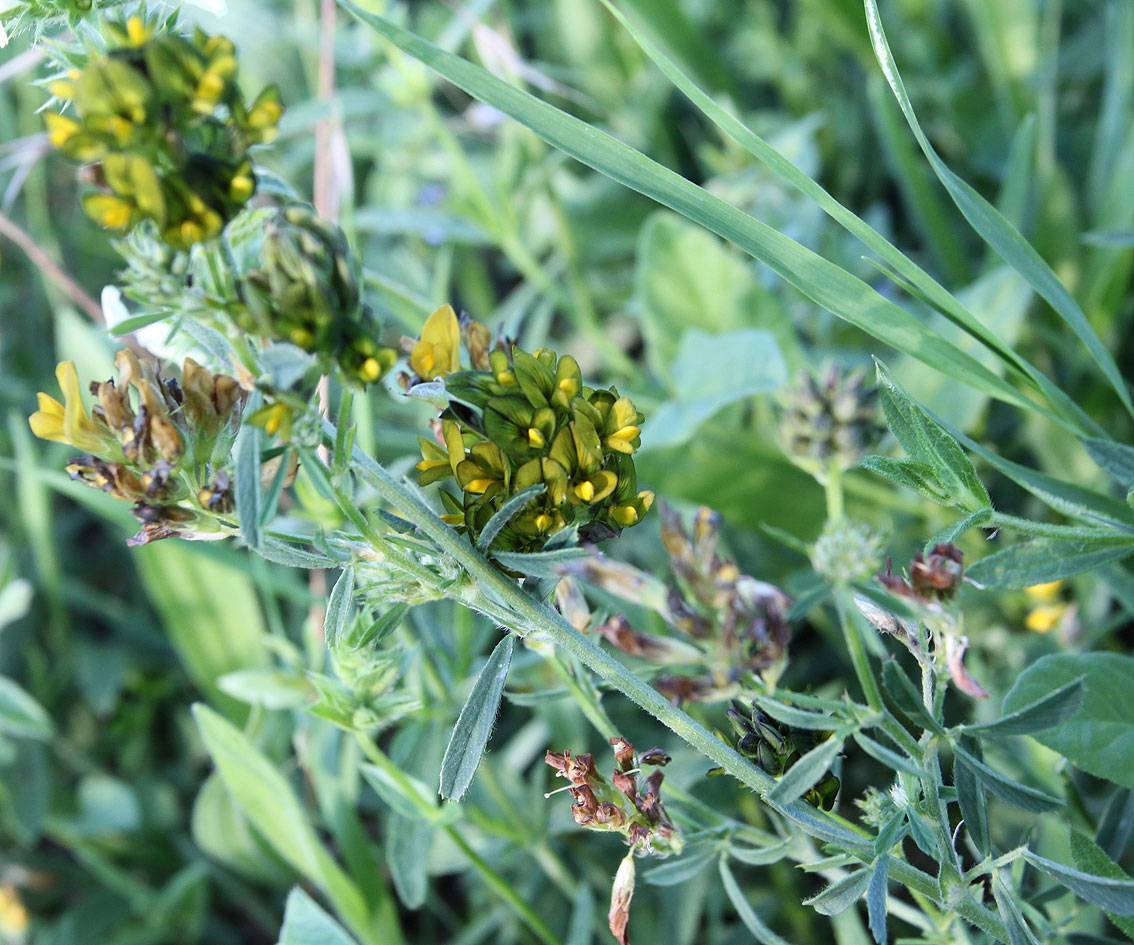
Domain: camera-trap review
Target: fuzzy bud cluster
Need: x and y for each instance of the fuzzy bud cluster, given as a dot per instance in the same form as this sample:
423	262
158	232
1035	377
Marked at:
151	441
162	121
305	290
830	420
519	420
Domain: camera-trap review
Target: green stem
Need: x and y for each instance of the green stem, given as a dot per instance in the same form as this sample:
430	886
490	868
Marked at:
852	633
491	592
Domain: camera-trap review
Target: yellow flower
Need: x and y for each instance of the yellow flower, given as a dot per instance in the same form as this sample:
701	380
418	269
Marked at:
13	913
438	351
1044	593
67	422
1044	619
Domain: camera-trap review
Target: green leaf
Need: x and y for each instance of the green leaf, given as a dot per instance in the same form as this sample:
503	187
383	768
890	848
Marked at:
841	895
760	932
823	282
1099	738
20	714
876	901
307	923
267	687
292	556
929	443
1004	787
540	563
1091	858
677	869
991	225
891	759
1116	458
760	856
270	805
470	735
338	608
971	797
1018	931
397	798
1045	559
798	718
1114	894
504	514
711	372
913	475
802	776
904	269
407	851
907	699
1052	709
246	487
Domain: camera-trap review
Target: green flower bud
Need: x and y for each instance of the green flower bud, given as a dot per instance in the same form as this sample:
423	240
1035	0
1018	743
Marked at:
830	420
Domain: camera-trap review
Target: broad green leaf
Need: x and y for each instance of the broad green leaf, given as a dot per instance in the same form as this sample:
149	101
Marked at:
1052	709
1099	738
505	513
208	607
1004	787
688	280
802	776
710	372
20	714
928	442
221	830
1114	894
876	901
823	282
470	735
307	923
1093	859
991	225
760	932
913	475
842	894
1043	559
246	488
339	608
904	269
270	804
407	851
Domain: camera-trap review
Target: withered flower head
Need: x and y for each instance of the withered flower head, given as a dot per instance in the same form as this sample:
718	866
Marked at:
935	577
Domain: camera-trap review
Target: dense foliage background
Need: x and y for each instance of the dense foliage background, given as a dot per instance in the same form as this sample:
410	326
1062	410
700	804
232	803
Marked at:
113	830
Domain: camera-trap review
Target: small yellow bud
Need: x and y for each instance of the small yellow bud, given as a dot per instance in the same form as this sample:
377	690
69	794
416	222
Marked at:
535	438
569	386
1046	593
370	371
190	232
506	379
625	515
241	188
1045	618
543	522
136	31
61	88
478	486
585	490
626	433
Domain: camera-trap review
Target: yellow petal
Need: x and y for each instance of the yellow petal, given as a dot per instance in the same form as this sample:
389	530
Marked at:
78	429
438	350
1045	593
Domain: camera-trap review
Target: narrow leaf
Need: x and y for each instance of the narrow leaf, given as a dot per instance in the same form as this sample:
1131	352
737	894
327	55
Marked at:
246	488
991	225
891	759
760	932
1057	707
907	699
1046	559
407	850
876	901
1018	931
840	895
1111	893
540	563
307	923
760	856
1116	458
1005	788
338	608
971	797
692	860
291	555
1091	858
470	736
20	714
797	718
820	280
805	773
505	513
